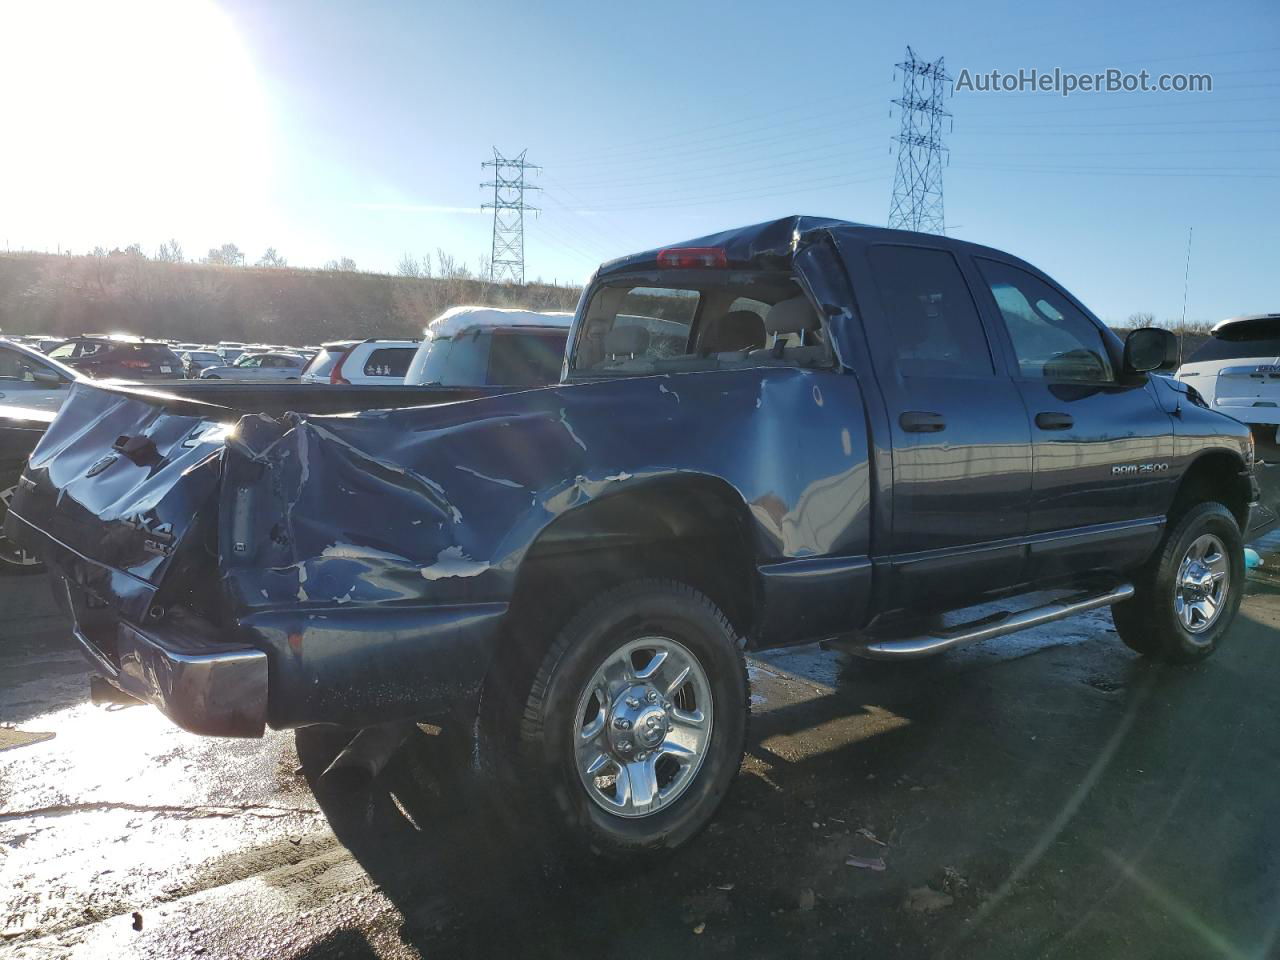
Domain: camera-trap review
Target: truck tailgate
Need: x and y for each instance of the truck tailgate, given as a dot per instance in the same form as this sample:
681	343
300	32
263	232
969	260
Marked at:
116	486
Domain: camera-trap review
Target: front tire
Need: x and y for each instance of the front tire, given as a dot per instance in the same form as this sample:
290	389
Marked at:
635	722
1188	594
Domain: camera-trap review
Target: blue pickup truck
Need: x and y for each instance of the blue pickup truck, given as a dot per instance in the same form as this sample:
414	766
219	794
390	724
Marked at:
796	431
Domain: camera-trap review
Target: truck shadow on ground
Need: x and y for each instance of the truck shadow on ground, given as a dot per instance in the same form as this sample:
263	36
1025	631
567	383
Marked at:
914	754
469	863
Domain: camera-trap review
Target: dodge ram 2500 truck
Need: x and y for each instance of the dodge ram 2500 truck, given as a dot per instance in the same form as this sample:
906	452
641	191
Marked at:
801	430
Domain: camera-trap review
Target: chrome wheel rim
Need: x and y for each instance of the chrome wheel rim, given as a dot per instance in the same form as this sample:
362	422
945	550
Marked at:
642	727
1200	589
10	552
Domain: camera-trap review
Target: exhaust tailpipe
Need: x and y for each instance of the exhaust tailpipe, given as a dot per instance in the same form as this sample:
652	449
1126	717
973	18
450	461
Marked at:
103	692
366	755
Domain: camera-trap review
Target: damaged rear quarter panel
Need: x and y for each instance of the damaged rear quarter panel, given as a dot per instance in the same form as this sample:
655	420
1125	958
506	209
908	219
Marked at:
375	554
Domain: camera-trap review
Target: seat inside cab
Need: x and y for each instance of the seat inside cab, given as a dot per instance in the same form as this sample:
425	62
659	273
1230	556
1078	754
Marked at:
638	329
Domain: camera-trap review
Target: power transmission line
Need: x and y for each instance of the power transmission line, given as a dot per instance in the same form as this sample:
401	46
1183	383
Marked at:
725	171
916	203
506	258
656	141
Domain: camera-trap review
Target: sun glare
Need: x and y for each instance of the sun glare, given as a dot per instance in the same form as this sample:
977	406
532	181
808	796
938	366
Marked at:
127	121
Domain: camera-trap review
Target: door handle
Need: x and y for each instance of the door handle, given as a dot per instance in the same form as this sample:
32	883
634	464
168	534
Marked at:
917	421
1055	421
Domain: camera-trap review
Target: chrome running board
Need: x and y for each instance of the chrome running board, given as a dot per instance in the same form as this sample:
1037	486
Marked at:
985	629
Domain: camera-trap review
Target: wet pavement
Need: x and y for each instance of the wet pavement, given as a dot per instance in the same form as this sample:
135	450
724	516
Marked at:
1046	795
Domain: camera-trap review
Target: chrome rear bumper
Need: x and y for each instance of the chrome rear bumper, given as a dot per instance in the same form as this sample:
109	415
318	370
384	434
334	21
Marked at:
209	688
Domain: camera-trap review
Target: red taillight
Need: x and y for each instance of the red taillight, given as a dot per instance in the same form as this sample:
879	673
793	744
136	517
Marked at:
691	258
335	376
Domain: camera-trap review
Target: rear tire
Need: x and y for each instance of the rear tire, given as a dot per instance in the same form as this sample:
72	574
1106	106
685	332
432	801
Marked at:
14	560
634	723
1187	596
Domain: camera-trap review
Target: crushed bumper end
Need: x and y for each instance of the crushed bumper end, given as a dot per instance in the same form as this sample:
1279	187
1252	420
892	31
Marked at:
212	689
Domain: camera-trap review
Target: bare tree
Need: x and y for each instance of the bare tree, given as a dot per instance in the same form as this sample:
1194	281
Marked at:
227	255
272	258
409	266
447	264
1142	319
135	250
426	265
341	265
170	252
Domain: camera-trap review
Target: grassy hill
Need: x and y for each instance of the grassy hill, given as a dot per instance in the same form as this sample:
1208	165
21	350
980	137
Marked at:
66	295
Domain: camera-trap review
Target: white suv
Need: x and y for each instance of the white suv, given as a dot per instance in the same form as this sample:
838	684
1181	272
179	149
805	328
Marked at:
1238	371
361	361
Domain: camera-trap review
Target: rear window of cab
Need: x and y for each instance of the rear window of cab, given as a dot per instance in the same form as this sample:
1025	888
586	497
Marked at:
726	321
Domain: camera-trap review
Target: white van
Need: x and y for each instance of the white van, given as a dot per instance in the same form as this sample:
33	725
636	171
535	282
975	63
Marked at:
491	347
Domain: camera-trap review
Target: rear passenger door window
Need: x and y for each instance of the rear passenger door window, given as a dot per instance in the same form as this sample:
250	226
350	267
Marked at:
389	362
1052	339
932	321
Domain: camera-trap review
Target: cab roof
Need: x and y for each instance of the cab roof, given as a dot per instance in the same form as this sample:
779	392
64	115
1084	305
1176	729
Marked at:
773	244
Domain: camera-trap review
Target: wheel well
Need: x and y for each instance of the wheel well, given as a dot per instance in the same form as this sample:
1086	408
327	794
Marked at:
1218	477
694	530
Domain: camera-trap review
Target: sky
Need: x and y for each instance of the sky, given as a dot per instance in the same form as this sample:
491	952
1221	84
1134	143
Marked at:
339	129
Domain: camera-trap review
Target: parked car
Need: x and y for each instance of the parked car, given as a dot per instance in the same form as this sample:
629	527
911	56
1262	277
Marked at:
347	362
1238	371
127	358
229	351
42	342
258	366
196	360
863	426
20	430
485	346
29	379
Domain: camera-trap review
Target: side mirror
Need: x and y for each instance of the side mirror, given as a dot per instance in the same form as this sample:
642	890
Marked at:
45	378
1150	349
